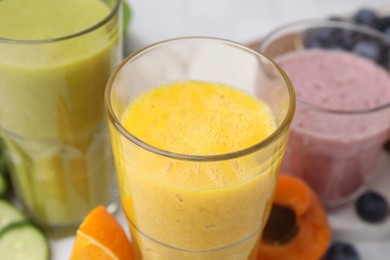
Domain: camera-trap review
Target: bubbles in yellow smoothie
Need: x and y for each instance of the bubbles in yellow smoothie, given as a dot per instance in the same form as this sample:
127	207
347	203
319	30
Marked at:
199	118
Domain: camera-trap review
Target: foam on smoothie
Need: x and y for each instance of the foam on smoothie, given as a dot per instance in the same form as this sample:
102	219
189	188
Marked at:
199	118
42	19
337	80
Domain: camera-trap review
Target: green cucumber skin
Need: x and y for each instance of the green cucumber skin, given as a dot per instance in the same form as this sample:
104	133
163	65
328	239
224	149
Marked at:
6	191
4	186
17	227
4	180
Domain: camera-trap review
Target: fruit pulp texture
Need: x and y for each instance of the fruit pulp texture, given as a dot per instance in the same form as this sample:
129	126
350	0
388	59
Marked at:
51	106
334	152
181	209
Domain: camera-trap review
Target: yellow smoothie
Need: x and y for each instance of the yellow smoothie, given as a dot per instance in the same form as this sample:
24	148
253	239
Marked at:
179	209
52	118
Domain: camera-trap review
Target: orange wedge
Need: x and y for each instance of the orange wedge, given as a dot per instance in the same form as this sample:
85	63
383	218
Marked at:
100	236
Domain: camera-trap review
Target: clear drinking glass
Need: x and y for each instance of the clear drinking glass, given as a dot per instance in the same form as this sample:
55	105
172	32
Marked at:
209	217
334	148
53	121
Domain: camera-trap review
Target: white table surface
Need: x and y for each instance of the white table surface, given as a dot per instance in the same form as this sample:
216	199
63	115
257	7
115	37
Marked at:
245	21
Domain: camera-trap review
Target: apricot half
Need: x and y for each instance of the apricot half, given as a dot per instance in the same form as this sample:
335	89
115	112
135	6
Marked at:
297	227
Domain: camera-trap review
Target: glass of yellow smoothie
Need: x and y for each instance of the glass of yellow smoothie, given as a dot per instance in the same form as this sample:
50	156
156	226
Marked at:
198	129
56	58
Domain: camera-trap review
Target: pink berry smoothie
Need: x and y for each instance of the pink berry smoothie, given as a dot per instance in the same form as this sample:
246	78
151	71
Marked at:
341	122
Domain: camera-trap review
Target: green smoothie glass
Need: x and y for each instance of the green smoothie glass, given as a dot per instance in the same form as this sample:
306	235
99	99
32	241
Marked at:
56	57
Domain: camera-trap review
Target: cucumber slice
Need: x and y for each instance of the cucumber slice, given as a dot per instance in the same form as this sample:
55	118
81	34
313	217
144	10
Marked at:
23	240
9	214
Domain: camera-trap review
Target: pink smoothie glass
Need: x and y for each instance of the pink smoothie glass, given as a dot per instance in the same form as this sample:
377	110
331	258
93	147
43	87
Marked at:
343	103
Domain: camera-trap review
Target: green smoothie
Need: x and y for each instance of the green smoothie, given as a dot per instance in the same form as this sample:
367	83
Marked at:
52	118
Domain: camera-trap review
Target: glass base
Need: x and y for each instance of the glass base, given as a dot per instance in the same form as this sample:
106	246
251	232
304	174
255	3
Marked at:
148	248
60	231
335	205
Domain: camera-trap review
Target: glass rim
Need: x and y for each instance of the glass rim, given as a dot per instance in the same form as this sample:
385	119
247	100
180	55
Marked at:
217	157
322	23
97	25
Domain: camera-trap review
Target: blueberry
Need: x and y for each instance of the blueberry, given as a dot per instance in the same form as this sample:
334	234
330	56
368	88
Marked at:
369	49
312	39
387	30
372	207
367	17
385	62
327	38
384	22
318	37
347	38
387	146
341	251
